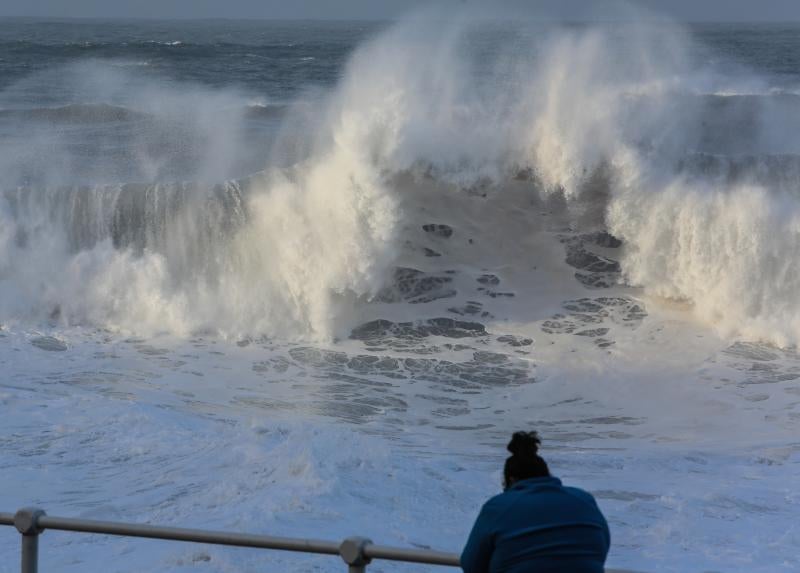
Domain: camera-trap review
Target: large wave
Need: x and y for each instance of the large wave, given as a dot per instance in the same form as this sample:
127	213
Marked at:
627	122
274	253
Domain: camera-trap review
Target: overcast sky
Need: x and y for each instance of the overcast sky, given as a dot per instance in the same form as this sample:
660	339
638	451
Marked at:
689	10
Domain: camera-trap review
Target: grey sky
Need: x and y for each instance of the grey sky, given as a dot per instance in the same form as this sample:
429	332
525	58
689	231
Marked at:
691	10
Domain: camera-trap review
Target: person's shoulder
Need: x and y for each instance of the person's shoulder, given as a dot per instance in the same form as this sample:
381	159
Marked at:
498	503
580	494
493	512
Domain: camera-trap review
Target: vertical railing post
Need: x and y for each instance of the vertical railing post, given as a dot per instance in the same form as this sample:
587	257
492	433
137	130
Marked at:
26	520
352	552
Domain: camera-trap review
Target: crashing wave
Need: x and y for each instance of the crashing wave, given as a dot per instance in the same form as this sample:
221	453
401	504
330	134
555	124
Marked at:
700	188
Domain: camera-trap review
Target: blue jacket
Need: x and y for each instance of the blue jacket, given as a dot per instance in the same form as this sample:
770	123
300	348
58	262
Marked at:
538	526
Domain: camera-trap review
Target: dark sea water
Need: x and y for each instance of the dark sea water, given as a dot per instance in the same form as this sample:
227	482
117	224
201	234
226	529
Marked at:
274	59
93	82
279	59
85	80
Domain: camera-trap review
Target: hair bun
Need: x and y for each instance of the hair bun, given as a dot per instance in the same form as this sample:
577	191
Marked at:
524	444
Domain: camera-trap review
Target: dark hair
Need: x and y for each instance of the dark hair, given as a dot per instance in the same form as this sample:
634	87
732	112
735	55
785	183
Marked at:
524	462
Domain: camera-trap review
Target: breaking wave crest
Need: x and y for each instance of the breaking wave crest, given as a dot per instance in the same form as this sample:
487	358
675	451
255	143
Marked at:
244	256
625	119
75	113
92	113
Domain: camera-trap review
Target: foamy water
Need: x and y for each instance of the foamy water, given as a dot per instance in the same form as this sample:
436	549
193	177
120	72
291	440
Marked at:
326	317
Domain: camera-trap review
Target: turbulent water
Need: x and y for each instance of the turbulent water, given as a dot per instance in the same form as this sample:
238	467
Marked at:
305	279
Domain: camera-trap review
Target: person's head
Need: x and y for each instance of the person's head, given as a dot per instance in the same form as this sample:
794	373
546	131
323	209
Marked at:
524	462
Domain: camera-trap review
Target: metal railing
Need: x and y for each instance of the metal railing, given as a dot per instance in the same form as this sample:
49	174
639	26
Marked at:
357	552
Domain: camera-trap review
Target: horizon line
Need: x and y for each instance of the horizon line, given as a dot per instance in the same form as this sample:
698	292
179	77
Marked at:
357	19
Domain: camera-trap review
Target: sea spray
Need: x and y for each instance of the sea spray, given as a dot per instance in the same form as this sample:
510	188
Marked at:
274	253
625	121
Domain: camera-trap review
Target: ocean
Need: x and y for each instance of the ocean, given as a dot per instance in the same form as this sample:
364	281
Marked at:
306	278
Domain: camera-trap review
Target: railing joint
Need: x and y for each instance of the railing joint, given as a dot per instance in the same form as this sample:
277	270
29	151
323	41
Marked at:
352	552
26	520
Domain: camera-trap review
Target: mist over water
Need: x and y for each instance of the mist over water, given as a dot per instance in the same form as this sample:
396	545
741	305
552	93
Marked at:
266	266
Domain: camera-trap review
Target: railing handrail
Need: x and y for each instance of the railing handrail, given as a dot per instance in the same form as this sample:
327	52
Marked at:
355	551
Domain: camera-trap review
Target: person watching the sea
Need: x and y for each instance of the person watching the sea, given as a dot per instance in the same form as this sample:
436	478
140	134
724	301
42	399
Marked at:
537	525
